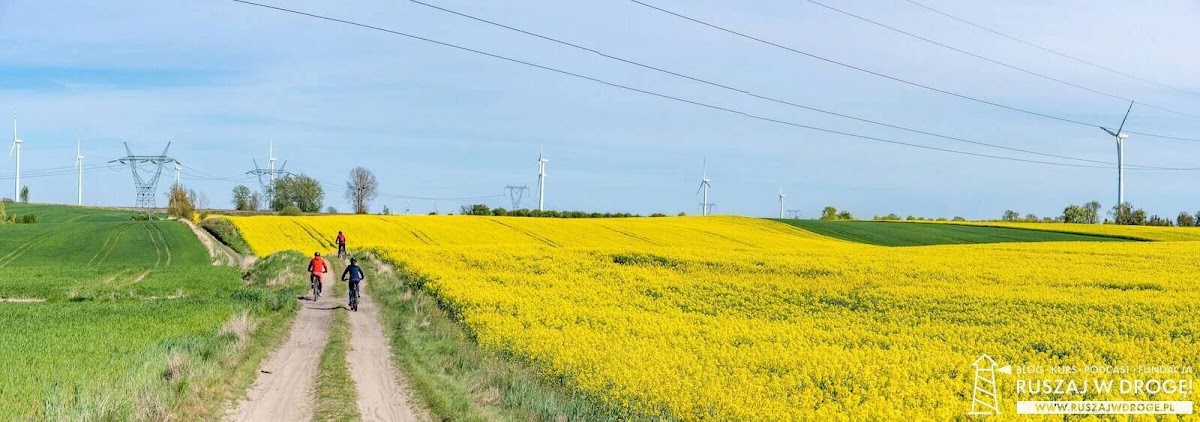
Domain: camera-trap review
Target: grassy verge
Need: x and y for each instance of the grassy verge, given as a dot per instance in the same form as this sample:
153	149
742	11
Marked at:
459	380
227	233
269	305
337	400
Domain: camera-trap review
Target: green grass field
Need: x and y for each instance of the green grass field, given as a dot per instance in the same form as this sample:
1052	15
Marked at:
107	318
912	234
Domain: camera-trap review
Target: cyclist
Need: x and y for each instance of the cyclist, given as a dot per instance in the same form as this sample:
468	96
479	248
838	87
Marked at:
355	273
316	267
341	243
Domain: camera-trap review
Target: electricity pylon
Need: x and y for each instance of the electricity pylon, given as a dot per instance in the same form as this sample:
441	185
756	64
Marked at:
266	176
152	166
515	193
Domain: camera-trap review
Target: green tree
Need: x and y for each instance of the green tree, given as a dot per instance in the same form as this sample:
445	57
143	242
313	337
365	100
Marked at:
1074	214
1185	220
300	190
1091	212
844	215
476	209
242	198
25	194
1125	214
829	213
1011	215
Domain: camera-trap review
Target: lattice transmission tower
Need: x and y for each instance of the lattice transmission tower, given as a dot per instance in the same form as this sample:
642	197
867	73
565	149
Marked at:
266	176
146	170
515	193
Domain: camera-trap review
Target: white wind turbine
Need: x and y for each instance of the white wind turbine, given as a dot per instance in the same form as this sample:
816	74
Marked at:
781	195
542	160
704	185
1120	136
16	146
271	162
79	168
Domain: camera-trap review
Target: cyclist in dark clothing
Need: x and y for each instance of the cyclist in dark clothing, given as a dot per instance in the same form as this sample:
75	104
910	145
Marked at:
355	274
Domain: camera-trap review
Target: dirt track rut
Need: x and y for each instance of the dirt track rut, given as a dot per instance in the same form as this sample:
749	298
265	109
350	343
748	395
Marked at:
285	386
381	397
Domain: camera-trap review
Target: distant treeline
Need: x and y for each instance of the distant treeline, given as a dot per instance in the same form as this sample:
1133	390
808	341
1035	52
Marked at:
481	209
1123	214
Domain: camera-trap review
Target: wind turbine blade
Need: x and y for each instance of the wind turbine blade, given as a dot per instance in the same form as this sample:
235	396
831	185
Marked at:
1126	118
127	149
700	188
167	148
13	147
1109	131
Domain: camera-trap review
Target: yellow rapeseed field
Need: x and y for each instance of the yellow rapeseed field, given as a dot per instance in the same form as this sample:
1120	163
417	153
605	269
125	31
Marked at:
732	318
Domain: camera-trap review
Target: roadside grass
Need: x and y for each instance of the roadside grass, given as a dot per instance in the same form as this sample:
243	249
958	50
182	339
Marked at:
884	233
227	233
458	380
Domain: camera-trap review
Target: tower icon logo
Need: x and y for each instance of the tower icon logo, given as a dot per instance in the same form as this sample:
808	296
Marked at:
985	396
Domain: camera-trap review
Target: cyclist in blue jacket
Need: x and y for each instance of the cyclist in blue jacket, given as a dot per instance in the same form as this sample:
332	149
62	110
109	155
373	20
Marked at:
355	275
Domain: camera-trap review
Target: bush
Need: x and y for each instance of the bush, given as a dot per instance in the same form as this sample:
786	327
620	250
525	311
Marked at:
291	210
182	203
145	217
27	219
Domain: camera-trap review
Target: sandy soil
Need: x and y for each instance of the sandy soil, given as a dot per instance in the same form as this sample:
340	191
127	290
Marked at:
285	386
381	395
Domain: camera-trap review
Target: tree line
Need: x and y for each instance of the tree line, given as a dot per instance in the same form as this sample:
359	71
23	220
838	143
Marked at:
1123	214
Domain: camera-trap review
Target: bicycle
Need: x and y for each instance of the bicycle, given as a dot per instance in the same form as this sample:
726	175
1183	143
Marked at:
315	283
354	286
342	251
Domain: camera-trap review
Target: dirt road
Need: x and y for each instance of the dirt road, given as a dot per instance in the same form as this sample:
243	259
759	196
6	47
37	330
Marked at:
284	388
380	394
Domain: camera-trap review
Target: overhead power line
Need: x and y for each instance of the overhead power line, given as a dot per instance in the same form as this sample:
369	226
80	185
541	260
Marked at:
772	99
660	95
1053	51
1000	63
900	80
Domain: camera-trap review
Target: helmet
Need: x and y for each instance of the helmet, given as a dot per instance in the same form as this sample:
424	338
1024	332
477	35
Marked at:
316	254
353	261
339	232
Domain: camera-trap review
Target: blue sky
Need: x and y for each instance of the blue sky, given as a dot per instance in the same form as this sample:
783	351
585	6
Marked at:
220	80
